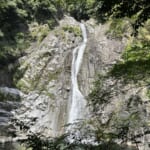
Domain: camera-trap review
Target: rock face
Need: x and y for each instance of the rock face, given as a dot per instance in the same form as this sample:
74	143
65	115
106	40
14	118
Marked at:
9	100
46	81
123	110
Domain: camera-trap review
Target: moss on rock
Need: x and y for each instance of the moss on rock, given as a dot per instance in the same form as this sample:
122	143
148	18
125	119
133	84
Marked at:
72	29
119	28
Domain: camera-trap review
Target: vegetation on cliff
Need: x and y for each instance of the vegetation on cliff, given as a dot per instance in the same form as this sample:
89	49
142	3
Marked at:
17	15
16	19
130	21
23	22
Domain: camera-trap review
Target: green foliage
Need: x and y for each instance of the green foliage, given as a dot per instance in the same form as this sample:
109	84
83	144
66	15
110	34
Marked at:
39	32
15	17
148	92
80	9
136	57
129	116
73	29
118	9
119	28
18	74
137	51
37	142
122	121
132	70
99	95
62	143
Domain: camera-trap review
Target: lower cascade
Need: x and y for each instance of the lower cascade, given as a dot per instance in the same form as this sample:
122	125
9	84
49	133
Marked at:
78	102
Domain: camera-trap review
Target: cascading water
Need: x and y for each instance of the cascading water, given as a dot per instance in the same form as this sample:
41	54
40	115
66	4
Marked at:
78	102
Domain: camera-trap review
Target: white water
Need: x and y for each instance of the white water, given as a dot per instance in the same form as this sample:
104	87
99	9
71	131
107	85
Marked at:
78	102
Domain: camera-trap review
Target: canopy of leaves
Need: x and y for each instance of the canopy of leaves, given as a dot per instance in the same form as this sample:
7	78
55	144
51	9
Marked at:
136	57
80	9
15	17
123	8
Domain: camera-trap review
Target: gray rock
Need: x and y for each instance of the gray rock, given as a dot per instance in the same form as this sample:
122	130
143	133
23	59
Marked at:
46	82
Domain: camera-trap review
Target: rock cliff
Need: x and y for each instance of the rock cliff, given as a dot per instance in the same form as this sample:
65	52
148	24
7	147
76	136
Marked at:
46	82
44	86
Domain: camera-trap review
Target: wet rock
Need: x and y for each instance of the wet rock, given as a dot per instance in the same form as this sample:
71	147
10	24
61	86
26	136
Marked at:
47	79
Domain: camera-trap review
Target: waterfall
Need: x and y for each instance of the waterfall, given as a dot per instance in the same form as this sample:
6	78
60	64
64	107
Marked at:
78	102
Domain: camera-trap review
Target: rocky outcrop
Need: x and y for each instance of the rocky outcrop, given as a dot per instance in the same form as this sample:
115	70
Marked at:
43	79
123	110
46	81
41	102
122	106
9	101
100	55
